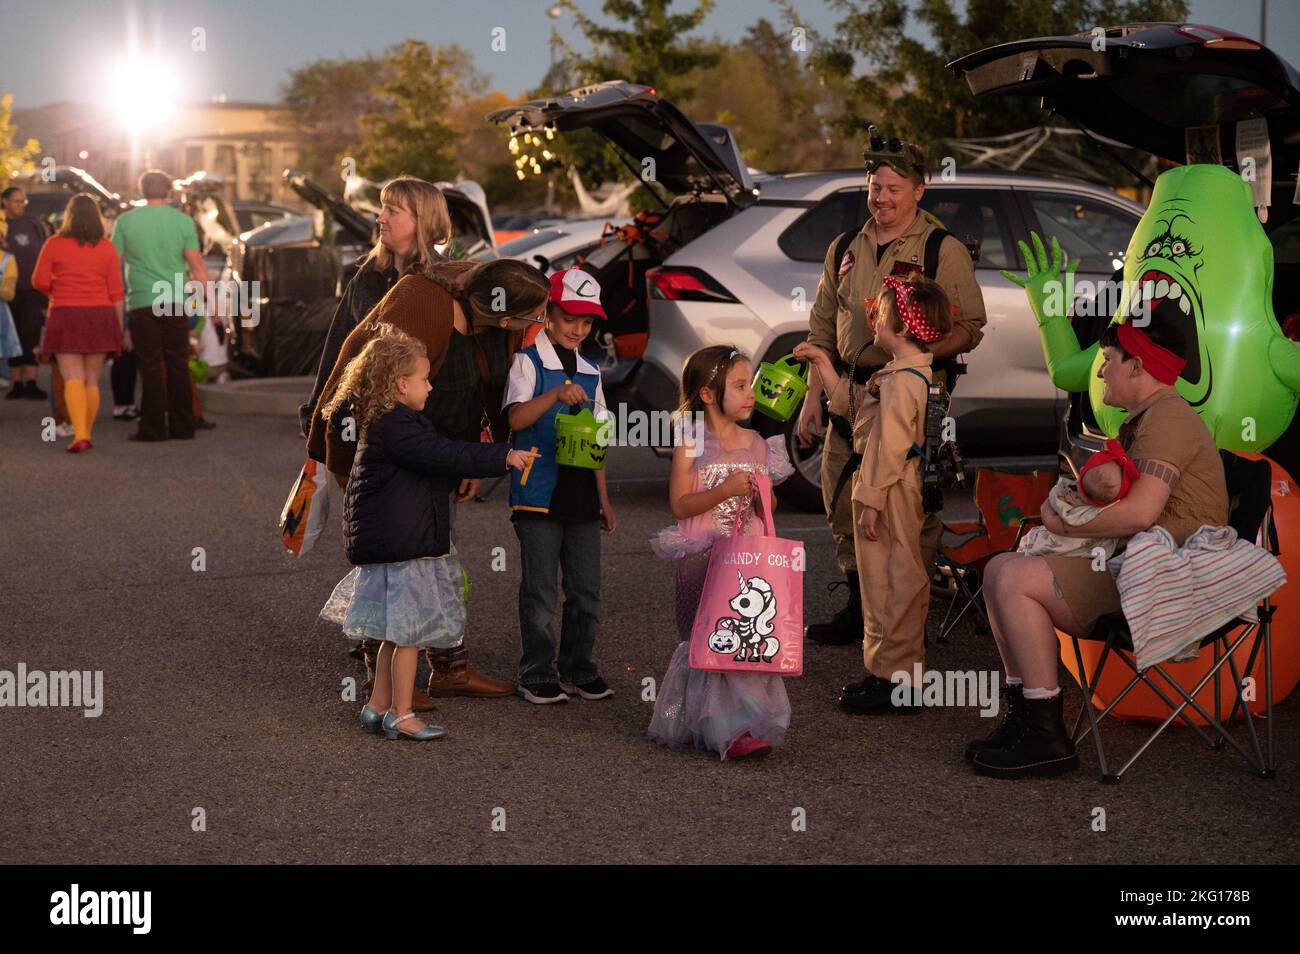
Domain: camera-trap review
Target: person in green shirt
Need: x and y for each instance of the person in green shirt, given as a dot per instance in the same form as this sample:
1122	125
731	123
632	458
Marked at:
160	248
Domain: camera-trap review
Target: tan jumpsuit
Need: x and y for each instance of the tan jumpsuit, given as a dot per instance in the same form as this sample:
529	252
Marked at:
894	581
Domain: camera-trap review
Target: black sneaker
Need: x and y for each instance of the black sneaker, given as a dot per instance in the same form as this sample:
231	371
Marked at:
543	695
593	690
34	393
19	390
204	425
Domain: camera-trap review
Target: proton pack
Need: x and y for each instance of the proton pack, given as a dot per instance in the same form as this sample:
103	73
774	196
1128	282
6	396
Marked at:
941	460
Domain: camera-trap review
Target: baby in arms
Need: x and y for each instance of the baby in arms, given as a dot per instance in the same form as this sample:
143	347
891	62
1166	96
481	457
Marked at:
1104	479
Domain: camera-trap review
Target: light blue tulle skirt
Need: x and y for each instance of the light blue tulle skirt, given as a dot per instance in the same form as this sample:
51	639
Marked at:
412	603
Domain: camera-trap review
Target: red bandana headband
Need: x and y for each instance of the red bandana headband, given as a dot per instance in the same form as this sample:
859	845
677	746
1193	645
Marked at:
1111	452
912	315
1158	361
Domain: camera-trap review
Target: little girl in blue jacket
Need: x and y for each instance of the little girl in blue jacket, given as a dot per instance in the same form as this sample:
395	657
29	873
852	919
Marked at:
408	587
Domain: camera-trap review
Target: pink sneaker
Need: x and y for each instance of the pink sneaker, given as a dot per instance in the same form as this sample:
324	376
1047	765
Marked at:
749	747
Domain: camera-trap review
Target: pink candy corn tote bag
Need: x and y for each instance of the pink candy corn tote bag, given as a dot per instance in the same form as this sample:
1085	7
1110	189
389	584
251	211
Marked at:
751	613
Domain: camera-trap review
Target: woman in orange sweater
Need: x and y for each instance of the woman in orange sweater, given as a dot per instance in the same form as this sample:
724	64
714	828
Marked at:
80	272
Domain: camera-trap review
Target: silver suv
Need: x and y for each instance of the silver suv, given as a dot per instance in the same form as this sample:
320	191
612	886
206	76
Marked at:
740	255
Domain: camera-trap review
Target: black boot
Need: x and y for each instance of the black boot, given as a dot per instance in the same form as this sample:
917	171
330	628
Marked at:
1012	716
845	626
1042	745
876	696
18	391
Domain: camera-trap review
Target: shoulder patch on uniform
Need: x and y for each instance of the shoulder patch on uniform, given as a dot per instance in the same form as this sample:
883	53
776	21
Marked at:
847	264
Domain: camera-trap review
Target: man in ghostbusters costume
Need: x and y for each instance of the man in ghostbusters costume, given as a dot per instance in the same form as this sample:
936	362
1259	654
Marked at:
896	240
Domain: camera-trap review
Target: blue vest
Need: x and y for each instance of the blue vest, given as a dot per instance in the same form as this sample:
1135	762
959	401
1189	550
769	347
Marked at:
531	488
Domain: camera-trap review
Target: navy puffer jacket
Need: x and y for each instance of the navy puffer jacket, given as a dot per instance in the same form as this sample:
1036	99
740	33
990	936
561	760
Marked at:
399	491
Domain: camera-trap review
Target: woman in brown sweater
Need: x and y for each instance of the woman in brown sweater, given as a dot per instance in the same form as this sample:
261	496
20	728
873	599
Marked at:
471	319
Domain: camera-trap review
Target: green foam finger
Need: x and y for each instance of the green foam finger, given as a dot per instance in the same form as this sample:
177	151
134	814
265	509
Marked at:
1028	257
1039	250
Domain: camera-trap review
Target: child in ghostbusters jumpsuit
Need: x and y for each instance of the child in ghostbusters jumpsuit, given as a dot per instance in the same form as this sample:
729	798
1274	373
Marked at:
889	422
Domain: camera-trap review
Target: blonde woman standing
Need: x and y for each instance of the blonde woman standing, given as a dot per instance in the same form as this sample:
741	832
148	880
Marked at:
414	220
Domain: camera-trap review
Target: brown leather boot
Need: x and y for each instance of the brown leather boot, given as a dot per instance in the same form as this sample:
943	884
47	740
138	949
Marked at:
369	650
450	674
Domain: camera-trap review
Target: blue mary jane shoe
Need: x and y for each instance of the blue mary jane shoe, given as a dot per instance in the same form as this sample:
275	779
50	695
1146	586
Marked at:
372	720
392	731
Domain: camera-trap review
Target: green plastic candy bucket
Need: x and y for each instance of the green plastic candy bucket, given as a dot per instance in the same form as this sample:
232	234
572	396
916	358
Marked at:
580	440
779	387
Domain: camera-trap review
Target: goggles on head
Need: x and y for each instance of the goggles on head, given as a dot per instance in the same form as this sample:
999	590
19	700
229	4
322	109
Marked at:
891	152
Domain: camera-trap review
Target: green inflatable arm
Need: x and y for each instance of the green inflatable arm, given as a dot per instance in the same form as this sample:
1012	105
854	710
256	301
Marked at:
1050	295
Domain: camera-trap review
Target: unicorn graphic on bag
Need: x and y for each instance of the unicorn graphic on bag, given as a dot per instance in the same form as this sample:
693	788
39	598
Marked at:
749	635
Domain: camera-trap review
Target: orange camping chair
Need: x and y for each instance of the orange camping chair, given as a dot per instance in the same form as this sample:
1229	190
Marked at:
1008	505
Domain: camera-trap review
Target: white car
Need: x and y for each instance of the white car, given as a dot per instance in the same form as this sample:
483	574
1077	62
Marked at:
739	255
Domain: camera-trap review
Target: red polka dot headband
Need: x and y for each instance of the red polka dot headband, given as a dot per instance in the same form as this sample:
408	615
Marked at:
912	314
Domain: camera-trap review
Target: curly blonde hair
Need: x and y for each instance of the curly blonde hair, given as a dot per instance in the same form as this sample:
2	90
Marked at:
370	379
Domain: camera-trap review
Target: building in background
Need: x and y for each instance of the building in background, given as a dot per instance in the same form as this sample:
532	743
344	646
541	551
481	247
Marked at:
248	144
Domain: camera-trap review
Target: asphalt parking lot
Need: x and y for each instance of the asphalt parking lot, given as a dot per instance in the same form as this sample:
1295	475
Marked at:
222	703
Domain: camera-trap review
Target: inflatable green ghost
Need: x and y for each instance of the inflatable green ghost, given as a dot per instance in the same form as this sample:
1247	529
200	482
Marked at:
1200	256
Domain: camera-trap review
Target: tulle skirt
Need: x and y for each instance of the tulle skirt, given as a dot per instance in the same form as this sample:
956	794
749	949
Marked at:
412	603
710	710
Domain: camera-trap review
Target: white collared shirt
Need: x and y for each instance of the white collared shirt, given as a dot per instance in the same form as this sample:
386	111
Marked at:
522	381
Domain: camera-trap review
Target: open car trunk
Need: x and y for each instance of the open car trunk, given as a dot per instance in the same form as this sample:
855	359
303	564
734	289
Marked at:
1181	92
698	163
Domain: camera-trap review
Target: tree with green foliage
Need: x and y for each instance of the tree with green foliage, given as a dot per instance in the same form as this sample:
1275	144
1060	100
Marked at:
648	44
653	49
329	98
325	97
904	85
15	160
406	132
784	118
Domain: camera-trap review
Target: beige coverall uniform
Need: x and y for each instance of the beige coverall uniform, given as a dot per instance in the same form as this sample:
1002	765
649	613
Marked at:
894	579
838	323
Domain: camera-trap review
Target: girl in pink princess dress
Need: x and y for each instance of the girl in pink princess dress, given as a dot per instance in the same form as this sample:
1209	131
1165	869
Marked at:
715	481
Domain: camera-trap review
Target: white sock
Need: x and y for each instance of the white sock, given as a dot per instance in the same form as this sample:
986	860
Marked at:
1015	681
1042	693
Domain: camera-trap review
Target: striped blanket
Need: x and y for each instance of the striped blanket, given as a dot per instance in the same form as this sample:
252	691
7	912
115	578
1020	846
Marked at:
1175	596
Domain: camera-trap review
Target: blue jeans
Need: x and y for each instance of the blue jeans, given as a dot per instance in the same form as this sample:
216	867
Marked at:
547	547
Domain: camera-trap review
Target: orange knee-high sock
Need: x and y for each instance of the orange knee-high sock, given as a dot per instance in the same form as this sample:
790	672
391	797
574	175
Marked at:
92	408
74	395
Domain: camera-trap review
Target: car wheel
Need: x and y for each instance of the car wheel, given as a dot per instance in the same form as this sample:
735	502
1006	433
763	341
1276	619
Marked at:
802	489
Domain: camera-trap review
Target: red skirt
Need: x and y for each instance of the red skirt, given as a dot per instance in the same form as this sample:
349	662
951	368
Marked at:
90	329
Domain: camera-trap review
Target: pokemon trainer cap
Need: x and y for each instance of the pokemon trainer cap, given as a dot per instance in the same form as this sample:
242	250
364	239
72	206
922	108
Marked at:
577	292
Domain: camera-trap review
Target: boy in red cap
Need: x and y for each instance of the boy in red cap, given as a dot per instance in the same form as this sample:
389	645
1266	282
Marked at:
558	511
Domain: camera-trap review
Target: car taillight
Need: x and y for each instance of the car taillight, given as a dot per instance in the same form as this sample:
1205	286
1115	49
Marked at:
686	284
